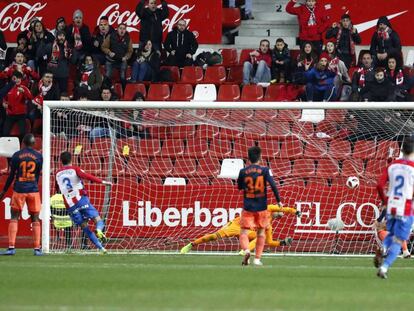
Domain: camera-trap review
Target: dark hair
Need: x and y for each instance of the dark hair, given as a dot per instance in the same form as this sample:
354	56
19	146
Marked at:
345	16
48	72
380	69
264	40
254	154
29	140
17	74
138	95
64	94
280	40
66	157
408	144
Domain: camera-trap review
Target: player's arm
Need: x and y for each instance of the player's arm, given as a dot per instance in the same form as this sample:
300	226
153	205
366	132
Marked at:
83	175
382	181
272	184
240	181
10	179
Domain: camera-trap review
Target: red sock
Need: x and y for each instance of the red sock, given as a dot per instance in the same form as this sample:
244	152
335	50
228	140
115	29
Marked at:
259	246
36	234
244	241
12	232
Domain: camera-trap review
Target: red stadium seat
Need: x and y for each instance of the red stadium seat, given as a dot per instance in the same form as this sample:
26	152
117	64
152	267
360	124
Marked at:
228	93
172	148
252	93
4	166
233	130
218	114
387	149
100	146
148	147
58	145
352	167
303	129
229	57
207	131
192	75
245	55
231	17
289	114
335	115
328	127
174	70
198	181
184	167
364	149
220	148
197	147
316	149
242	114
161	132
270	148
340	149
316	182
92	165
375	168
280	167
291	149
126	147
293	182
119	167
215	75
327	168
255	130
265	115
240	147
150	114
171	115
183	131
161	167
118	90
151	180
208	167
278	130
222	182
235	75
132	88
275	92
158	92
137	166
182	92
303	168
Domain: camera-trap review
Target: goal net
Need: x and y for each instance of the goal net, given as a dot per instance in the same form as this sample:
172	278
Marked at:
174	170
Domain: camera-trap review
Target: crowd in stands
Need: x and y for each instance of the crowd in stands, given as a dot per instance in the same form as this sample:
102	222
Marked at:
75	62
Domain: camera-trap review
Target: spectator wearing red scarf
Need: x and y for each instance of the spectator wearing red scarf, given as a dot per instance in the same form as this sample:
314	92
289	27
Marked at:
20	65
79	36
258	64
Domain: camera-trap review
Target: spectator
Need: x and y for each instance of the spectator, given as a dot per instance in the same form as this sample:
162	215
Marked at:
60	26
248	8
89	76
100	125
146	66
342	80
3	49
15	104
364	74
320	81
19	65
281	61
395	74
101	32
59	56
345	37
181	45
306	60
46	89
22	47
151	22
78	36
258	64
40	41
379	90
118	50
313	22
385	42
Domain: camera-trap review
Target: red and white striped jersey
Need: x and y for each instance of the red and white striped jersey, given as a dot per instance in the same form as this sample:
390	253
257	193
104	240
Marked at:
399	196
69	181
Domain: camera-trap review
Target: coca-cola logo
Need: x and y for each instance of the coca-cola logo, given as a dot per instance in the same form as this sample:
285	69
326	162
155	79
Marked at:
16	16
131	20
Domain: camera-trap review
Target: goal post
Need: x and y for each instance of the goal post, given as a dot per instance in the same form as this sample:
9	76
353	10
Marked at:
164	159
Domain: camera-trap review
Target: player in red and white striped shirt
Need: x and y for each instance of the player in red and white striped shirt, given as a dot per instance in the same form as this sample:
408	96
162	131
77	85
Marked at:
69	179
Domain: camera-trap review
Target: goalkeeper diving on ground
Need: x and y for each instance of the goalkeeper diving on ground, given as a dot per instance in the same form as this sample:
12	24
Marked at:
232	229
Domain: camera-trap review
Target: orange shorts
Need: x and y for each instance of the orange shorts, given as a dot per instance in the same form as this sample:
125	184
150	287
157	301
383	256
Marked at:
254	220
31	199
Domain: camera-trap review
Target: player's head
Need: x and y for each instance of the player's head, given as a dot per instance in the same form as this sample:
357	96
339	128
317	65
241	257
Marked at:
254	154
408	145
17	77
66	158
29	140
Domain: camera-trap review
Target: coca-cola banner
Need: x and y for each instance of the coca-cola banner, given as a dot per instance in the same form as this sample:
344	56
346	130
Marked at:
140	211
203	17
364	15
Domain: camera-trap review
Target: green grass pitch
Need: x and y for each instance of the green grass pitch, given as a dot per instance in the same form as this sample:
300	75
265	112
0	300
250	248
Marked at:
191	282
